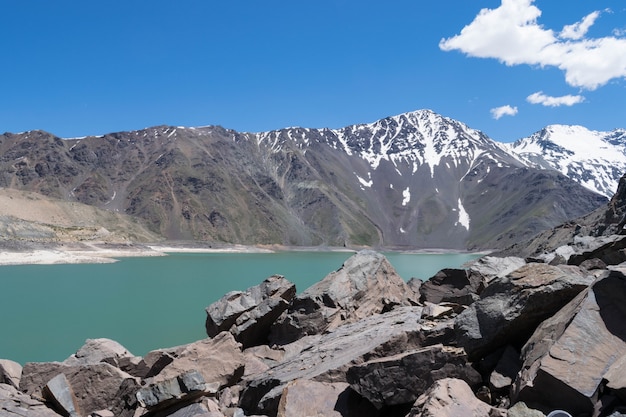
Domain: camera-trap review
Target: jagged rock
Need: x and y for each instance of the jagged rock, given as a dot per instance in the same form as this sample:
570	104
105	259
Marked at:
451	397
310	398
182	388
510	308
491	267
96	387
219	360
14	403
366	284
566	359
248	315
402	378
102	413
10	372
195	410
59	392
459	286
327	357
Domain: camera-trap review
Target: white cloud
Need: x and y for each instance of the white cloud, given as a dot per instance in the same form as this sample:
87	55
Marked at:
507	110
579	30
511	34
540	98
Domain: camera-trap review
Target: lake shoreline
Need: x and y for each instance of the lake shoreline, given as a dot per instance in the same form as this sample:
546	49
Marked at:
105	252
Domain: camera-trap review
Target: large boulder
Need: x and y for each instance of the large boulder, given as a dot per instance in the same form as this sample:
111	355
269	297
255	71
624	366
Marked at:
492	267
510	308
461	286
570	356
248	315
402	378
311	398
14	403
10	372
182	388
366	284
451	397
327	357
98	350
220	361
96	387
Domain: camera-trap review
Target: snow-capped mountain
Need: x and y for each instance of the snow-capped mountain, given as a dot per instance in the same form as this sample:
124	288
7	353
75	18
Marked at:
416	180
597	160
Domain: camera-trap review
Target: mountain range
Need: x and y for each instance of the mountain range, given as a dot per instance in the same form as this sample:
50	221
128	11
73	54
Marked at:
416	180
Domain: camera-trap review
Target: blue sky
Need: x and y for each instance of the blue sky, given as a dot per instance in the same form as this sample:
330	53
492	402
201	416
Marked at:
508	68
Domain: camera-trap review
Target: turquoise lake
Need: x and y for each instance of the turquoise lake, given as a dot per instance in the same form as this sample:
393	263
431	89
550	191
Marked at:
48	311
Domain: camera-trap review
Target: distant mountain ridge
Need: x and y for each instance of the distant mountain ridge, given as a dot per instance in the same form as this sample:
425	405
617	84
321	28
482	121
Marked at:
597	160
416	180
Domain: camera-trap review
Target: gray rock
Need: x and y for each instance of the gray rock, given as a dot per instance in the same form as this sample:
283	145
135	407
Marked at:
366	284
59	392
327	357
402	378
10	372
14	403
567	359
512	307
248	315
459	286
451	397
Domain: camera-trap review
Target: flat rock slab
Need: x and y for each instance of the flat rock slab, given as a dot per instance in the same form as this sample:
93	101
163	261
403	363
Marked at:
402	378
328	357
10	372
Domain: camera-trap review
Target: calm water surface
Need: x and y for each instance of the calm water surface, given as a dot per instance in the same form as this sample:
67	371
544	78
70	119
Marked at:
47	311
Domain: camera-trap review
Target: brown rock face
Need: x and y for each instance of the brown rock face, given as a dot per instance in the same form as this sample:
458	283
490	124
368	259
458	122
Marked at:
366	284
569	355
459	286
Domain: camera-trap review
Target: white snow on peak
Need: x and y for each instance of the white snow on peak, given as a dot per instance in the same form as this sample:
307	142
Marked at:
595	159
365	183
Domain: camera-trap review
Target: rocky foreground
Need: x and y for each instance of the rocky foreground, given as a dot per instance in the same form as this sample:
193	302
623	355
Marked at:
503	337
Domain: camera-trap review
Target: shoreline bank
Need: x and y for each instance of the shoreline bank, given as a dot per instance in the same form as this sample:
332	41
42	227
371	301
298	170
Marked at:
102	252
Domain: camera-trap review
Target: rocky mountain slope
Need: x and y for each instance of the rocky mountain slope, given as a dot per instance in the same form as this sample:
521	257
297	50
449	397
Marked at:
28	219
417	180
594	159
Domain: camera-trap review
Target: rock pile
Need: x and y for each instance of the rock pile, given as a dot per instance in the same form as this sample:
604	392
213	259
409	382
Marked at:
503	337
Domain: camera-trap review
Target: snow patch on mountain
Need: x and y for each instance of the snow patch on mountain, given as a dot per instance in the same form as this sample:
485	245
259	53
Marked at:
464	218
